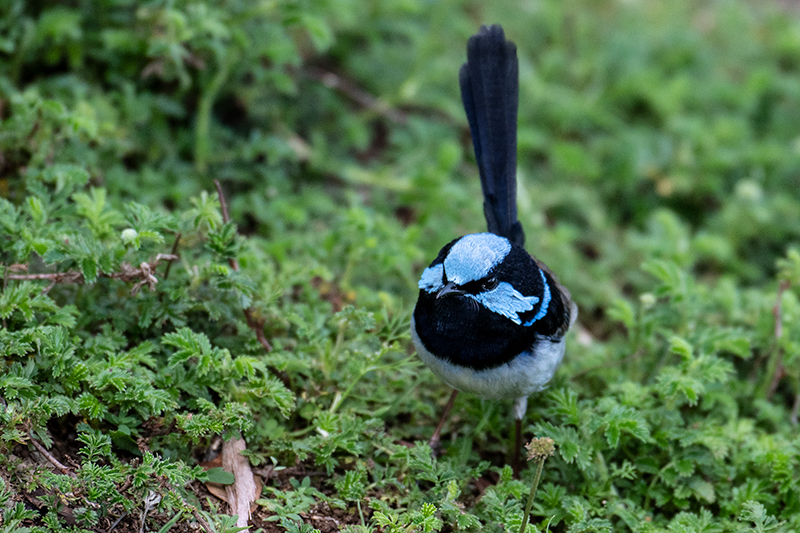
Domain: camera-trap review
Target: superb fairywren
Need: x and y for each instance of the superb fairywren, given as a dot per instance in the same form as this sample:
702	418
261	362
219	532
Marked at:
490	318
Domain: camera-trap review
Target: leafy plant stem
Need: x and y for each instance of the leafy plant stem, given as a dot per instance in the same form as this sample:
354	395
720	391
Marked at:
202	145
171	523
646	504
348	272
339	397
334	353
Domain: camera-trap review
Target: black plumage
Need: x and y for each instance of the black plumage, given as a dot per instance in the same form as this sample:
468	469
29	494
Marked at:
489	83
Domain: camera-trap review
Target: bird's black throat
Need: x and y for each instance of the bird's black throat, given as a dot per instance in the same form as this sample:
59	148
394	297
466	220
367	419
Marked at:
454	328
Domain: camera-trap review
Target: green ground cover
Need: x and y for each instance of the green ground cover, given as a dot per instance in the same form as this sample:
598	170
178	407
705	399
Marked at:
659	177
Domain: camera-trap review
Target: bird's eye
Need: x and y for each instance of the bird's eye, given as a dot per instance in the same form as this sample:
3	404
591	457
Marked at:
489	284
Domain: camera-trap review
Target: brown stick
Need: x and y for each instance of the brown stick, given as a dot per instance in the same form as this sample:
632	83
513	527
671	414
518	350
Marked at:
142	275
47	455
70	276
173	252
434	442
253	322
202	521
257	325
116	523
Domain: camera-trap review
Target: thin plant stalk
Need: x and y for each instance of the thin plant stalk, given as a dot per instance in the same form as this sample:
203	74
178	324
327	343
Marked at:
539	450
532	495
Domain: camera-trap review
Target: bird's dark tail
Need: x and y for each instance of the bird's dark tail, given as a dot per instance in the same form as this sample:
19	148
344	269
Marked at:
490	91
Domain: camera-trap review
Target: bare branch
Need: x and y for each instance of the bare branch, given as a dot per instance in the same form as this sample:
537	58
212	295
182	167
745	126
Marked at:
71	276
116	523
47	455
254	323
144	275
257	325
223	204
202	521
173	252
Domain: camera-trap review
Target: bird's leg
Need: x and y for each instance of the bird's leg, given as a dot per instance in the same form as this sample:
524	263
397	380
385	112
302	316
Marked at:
517	465
434	442
520	406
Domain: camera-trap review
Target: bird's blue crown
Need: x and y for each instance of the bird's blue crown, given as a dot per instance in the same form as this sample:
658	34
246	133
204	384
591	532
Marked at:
473	258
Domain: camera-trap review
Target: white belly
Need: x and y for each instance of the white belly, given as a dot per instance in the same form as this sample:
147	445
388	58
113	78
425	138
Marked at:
523	375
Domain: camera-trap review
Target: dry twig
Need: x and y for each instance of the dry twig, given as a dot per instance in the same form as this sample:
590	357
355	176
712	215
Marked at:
144	275
49	456
116	523
173	252
202	521
253	322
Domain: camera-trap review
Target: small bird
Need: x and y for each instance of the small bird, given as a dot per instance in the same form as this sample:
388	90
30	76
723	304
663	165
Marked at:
490	318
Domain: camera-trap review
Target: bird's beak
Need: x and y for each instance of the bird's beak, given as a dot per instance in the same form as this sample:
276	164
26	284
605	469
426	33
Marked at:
450	289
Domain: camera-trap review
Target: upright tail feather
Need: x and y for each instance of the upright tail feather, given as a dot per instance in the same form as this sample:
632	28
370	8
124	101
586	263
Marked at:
490	91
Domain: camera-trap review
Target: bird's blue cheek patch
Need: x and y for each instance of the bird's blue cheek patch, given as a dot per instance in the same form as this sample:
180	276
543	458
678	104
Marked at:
545	302
507	301
431	280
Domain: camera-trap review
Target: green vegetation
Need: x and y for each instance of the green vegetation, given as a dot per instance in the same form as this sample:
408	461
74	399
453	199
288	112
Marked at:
659	176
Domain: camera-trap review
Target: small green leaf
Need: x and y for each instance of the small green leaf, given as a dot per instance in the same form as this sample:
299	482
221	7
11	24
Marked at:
221	476
681	347
622	311
89	269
